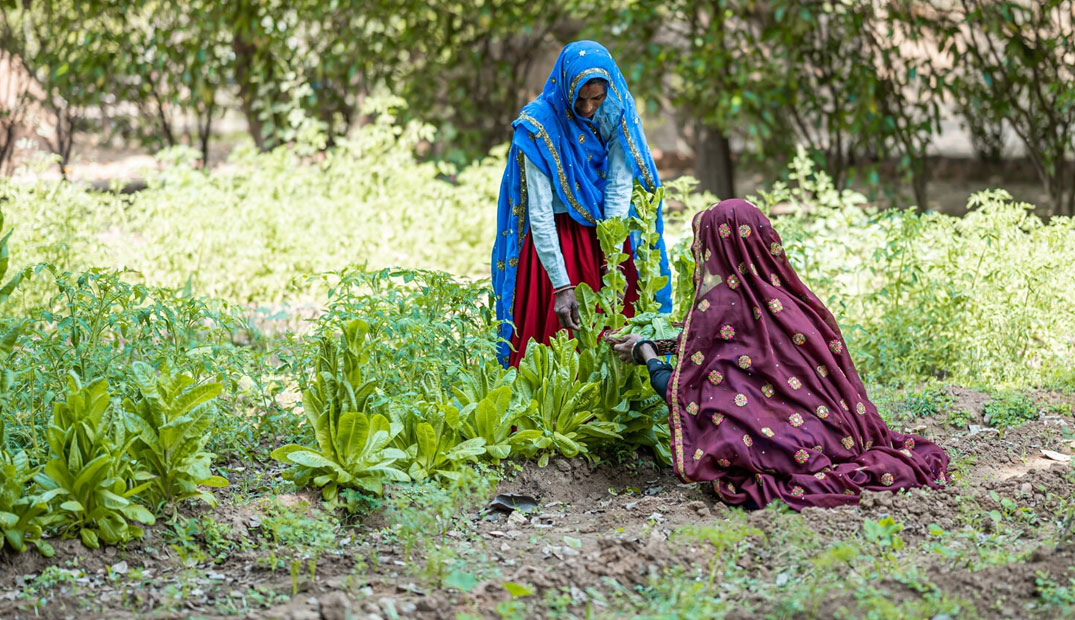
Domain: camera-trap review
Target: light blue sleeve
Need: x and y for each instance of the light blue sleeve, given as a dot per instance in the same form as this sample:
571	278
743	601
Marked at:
543	226
619	184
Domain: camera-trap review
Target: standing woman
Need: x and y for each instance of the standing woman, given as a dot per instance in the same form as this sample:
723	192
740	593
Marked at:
575	154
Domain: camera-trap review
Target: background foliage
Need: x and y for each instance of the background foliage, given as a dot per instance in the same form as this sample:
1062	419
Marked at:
861	83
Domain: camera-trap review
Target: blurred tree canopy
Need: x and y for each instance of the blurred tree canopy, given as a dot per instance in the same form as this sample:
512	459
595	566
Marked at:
859	82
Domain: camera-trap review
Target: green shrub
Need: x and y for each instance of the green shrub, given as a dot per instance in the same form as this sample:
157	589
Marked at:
97	325
986	298
252	231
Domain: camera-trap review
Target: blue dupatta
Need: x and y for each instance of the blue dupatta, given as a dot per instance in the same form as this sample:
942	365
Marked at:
564	148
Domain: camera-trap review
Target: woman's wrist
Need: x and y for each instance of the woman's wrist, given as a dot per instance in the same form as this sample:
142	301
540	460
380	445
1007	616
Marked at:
643	351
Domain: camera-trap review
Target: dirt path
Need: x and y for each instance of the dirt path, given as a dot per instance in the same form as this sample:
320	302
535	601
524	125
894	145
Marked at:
614	540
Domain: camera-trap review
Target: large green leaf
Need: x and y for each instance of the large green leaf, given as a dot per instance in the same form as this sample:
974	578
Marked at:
311	459
194	397
10	336
426	437
281	453
138	513
92	474
467	450
113	501
351	435
8	519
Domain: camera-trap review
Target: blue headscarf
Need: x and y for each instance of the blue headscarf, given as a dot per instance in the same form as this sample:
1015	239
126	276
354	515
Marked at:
548	133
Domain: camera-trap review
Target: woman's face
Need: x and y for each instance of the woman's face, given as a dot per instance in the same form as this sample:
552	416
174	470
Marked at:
591	96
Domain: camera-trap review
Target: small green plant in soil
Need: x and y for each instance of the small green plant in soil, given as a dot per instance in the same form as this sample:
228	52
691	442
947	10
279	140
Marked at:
295	536
42	588
202	535
1054	594
422	515
958	418
1009	409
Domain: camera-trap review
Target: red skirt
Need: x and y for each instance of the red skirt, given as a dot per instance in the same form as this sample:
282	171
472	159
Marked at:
533	312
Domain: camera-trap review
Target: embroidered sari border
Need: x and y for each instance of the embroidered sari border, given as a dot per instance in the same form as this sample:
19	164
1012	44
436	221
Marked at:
544	135
650	185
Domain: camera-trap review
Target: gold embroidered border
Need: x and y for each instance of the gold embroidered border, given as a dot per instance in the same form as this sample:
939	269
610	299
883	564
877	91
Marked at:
523	204
589	72
650	185
544	135
674	418
520	211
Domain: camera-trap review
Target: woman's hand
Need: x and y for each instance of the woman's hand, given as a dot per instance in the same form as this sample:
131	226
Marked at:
566	308
623	346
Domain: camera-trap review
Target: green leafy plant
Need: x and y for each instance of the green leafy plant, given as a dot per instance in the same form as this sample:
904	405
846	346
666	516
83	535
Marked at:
624	395
22	508
884	535
169	422
352	446
480	381
91	484
431	440
487	407
493	419
563	406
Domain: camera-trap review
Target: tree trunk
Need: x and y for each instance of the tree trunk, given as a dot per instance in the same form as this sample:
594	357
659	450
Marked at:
244	61
7	145
65	135
919	182
713	163
205	132
1068	187
162	116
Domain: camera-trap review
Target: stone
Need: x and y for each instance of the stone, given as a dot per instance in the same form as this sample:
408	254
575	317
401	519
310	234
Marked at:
335	606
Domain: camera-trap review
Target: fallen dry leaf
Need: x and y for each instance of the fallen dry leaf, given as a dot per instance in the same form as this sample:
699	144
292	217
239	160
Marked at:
1056	456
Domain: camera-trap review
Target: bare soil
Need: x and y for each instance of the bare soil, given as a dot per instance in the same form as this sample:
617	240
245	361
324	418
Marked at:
599	529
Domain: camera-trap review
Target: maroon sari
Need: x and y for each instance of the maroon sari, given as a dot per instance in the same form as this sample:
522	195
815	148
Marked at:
765	401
